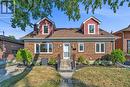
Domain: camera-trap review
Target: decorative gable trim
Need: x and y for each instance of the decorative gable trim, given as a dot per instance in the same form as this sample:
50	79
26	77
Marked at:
46	19
92	18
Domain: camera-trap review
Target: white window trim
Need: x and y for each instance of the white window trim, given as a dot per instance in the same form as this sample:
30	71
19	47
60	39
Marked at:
79	47
100	47
43	52
43	29
35	48
88	29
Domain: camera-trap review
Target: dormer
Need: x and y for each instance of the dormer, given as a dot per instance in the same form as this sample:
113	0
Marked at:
44	27
90	26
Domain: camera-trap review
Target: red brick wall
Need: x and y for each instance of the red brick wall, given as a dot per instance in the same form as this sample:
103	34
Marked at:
48	23
91	21
9	47
89	52
119	41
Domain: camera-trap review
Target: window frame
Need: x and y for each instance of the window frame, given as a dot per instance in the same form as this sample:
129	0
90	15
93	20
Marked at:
81	43
48	52
89	29
43	26
99	47
128	46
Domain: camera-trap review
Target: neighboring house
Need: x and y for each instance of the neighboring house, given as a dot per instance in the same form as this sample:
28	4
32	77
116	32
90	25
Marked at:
89	40
123	40
9	47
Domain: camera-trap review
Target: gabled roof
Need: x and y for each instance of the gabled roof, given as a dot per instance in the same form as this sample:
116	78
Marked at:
71	33
122	30
92	18
44	19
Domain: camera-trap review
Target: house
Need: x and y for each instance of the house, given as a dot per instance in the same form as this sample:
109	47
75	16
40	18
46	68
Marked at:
88	40
9	47
123	40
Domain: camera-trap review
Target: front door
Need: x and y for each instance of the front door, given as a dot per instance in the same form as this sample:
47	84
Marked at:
66	50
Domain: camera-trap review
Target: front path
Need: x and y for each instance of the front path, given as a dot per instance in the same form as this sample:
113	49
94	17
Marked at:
66	79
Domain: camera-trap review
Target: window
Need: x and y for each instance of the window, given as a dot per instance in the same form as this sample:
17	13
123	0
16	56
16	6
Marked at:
43	48
128	46
91	28
81	47
45	29
100	47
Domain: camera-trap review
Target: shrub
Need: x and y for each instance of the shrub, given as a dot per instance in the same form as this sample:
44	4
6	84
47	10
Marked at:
52	61
118	56
103	62
81	60
86	62
107	57
25	56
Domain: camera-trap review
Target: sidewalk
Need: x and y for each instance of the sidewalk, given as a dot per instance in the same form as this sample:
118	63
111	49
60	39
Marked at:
66	79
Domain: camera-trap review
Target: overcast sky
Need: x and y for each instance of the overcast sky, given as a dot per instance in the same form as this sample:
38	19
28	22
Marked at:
109	20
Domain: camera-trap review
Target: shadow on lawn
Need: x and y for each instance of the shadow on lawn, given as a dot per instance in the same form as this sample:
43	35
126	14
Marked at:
14	79
78	83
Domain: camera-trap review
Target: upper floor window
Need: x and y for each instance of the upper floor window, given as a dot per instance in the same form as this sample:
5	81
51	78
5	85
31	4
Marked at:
100	47
81	47
45	29
91	28
128	46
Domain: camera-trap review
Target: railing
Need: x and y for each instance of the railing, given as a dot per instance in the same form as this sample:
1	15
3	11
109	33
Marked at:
73	63
58	61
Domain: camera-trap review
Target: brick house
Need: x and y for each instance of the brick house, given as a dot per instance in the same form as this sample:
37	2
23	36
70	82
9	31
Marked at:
123	40
9	47
89	40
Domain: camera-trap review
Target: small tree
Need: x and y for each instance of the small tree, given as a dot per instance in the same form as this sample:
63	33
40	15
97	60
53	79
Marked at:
25	56
118	56
81	60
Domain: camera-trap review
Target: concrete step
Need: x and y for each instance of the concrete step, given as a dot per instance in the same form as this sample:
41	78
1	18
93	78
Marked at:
65	64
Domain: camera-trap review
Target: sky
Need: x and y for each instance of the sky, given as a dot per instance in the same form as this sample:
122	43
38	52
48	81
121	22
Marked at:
109	21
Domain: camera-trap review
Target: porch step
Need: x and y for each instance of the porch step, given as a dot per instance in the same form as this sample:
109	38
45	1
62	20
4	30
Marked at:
65	65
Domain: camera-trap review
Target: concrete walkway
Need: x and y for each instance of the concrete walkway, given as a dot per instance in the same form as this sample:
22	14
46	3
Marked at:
66	79
11	71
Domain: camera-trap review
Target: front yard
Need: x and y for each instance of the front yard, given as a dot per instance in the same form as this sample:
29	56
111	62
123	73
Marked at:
102	77
39	76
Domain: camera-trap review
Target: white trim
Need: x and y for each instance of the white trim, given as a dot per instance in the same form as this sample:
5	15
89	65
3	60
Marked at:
44	19
69	50
79	47
92	18
35	48
100	47
43	52
89	30
71	38
43	29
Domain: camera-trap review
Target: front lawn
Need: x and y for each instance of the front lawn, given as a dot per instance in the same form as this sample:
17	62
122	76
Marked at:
39	76
102	77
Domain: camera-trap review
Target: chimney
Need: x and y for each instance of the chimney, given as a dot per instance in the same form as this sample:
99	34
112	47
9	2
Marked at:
35	28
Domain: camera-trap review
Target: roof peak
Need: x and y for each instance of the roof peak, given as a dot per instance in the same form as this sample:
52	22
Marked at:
93	18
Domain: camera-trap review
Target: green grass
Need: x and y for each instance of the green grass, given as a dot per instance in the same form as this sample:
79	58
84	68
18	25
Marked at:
39	76
102	77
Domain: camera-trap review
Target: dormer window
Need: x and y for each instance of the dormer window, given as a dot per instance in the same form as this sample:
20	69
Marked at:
45	29
91	28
